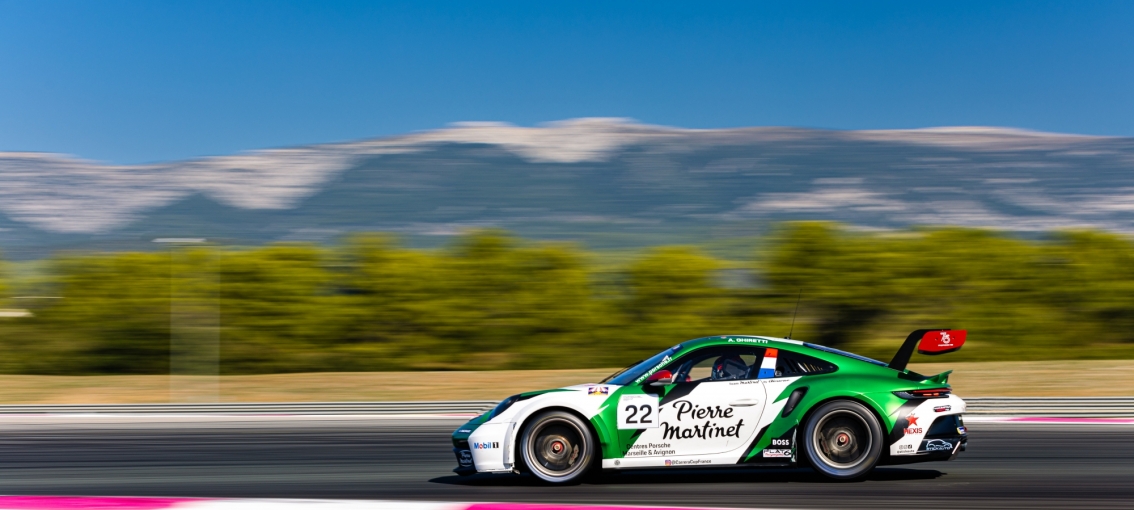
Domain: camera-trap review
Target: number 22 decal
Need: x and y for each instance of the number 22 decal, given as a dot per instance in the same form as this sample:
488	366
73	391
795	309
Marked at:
637	412
646	410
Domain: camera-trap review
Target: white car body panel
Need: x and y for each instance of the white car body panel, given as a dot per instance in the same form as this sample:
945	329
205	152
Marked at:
914	434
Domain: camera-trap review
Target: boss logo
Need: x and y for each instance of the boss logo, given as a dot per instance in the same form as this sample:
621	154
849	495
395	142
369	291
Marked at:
781	442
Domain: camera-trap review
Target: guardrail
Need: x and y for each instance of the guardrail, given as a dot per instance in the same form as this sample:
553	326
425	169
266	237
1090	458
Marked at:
1052	406
1002	406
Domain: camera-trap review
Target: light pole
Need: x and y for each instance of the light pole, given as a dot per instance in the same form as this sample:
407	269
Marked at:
194	329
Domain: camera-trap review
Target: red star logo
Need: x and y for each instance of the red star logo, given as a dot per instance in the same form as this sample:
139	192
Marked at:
912	419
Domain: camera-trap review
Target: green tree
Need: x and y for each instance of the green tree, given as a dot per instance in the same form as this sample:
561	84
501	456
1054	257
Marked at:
491	300
113	318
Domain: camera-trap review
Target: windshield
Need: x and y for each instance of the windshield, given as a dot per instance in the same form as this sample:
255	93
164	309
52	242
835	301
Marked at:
845	353
621	371
630	375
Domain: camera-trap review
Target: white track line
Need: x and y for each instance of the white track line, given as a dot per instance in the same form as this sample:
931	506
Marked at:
128	503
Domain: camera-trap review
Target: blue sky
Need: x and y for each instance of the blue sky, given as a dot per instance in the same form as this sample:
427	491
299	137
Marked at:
131	82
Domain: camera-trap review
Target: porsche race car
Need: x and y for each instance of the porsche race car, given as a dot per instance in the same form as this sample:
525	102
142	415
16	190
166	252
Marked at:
729	400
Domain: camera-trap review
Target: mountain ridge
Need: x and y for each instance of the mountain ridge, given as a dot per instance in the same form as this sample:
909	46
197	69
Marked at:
607	174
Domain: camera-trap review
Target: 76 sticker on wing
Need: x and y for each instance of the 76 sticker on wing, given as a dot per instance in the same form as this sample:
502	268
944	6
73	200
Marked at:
638	412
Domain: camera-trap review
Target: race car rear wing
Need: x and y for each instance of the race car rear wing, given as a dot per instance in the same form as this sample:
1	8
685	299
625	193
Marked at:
928	341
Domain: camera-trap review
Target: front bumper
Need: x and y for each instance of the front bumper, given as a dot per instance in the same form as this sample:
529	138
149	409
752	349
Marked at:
465	465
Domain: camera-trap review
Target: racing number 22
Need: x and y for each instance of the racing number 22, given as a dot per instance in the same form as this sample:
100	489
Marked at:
633	411
638	412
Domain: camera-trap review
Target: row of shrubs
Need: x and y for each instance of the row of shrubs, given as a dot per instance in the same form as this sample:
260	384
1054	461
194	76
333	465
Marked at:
493	301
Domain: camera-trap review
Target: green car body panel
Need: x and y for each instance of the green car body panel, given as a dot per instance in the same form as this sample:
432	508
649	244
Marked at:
754	420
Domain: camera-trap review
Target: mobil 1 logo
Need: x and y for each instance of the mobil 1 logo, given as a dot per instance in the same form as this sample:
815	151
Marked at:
638	412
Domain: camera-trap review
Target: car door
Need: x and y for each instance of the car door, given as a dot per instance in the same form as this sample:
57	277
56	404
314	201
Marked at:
782	368
712	405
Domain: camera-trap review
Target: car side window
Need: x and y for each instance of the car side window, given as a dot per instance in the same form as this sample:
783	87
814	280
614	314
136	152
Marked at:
725	363
793	364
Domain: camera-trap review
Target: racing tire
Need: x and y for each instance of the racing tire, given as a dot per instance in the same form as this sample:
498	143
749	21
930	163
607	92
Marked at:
843	440
558	447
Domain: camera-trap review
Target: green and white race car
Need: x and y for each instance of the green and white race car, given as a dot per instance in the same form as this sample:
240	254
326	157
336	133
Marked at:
729	400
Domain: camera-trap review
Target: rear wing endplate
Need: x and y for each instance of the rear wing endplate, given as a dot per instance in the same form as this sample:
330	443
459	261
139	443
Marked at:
928	341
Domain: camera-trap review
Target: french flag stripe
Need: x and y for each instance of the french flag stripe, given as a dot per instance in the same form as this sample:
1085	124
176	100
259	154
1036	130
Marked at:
768	365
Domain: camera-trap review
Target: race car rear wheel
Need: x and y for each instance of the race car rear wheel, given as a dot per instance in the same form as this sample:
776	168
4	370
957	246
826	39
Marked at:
843	440
558	447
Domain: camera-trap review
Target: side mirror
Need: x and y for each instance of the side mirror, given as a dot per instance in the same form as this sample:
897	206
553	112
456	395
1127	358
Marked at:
660	378
941	341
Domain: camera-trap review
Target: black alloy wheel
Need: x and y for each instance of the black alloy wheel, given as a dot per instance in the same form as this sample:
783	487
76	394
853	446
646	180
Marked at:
843	440
558	447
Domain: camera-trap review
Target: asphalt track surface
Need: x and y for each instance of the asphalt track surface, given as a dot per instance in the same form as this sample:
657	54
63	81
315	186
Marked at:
1006	466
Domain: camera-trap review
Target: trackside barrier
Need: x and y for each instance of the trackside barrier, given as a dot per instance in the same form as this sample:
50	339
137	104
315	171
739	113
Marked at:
1000	406
1052	406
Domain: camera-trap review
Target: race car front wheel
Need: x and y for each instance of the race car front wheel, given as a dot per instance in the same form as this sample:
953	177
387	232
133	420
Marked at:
843	440
558	447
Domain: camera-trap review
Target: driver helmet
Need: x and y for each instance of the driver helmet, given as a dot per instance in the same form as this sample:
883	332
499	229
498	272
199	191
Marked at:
729	367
